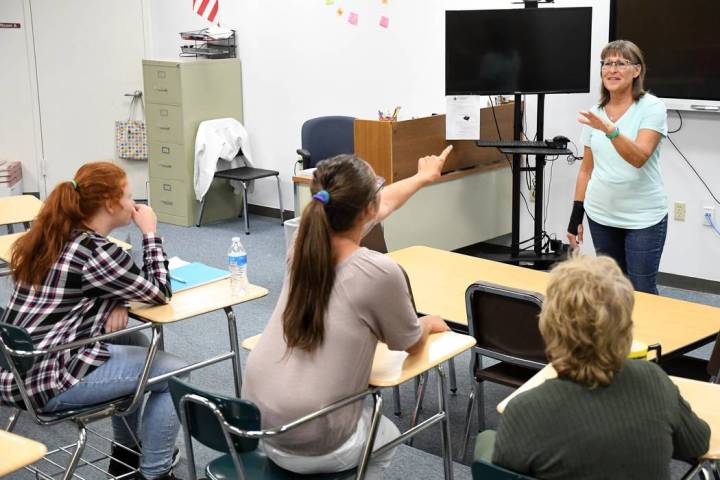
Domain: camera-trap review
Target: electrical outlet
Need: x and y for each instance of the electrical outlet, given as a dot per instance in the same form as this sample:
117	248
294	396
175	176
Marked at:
680	211
711	212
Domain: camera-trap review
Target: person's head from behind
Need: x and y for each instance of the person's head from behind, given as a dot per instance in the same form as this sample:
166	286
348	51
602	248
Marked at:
344	190
622	67
586	319
99	190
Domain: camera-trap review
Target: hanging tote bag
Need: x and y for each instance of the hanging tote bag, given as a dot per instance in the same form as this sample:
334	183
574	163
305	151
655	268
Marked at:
130	134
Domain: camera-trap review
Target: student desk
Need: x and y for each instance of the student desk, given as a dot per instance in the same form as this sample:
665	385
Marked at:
198	301
19	209
703	397
17	452
439	280
391	368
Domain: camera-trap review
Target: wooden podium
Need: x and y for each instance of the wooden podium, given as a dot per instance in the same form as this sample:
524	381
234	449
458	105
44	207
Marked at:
393	148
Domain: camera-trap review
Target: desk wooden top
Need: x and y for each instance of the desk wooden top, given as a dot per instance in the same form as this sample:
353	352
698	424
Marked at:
17	452
6	242
196	301
439	280
19	209
392	368
703	397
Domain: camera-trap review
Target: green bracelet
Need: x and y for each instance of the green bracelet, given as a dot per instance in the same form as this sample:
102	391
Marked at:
614	134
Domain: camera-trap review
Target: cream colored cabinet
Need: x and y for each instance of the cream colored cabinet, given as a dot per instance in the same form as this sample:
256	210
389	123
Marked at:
180	94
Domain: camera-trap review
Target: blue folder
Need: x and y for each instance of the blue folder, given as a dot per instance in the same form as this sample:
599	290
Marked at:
193	275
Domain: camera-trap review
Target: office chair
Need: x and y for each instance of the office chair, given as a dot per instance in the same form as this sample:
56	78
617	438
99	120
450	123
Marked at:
325	137
233	426
18	355
504	322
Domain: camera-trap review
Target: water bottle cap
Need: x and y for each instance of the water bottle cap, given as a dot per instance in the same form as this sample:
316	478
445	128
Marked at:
235	239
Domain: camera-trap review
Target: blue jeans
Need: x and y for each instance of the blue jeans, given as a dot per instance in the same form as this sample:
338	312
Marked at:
637	252
118	377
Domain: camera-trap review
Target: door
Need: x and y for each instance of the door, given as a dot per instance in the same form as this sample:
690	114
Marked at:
88	54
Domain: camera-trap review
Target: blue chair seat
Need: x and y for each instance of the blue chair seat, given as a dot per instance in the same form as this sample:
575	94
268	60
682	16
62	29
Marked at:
258	465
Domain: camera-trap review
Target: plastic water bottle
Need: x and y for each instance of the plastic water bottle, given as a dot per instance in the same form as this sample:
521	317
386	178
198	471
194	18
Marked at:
237	264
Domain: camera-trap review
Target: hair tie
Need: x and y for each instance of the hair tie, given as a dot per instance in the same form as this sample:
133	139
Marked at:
323	196
74	184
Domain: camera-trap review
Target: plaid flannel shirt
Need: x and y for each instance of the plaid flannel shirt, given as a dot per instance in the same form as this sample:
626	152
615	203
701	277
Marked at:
90	278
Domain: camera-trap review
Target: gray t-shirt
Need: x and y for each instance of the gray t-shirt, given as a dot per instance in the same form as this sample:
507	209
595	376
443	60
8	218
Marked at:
370	301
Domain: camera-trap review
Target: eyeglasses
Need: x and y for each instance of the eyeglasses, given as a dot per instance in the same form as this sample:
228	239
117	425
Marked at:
379	184
619	64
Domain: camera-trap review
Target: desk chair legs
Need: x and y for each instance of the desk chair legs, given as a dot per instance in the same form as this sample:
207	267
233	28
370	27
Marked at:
419	396
12	419
235	348
443	407
374	423
75	457
396	400
451	374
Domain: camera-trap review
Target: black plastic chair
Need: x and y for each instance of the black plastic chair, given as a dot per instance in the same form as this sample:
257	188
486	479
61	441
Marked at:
18	354
325	137
694	368
245	175
233	426
505	324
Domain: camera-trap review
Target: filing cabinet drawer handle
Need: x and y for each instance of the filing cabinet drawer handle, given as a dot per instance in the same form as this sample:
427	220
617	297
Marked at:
164	128
165	202
161	89
165	150
166	165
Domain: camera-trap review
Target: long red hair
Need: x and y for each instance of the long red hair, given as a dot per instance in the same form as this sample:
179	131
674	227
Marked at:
67	208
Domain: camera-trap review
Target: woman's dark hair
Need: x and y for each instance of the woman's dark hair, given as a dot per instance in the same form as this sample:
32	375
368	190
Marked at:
67	208
629	51
351	185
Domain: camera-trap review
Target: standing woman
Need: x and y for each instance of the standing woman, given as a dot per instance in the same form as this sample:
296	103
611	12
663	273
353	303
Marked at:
620	185
72	283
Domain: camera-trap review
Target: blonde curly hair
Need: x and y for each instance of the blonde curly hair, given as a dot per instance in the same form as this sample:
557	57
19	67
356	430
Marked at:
586	319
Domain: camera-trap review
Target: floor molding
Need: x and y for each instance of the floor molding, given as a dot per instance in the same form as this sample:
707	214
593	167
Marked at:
688	283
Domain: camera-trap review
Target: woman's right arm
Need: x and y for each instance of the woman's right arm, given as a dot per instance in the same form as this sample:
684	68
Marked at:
575	228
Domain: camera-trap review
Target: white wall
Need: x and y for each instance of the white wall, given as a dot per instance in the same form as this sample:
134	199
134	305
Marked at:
17	111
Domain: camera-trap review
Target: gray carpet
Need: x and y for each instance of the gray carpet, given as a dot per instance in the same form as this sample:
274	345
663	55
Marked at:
197	338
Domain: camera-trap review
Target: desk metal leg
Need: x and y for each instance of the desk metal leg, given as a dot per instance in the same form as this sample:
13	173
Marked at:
451	374
235	349
419	396
12	420
442	407
396	399
161	340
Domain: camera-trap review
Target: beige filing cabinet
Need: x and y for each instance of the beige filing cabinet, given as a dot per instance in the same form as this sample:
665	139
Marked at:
179	94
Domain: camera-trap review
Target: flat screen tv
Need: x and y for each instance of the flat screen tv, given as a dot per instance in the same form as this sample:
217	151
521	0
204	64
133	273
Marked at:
681	44
529	50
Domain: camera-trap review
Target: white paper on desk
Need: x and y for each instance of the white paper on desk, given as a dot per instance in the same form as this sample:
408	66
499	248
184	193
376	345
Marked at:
462	120
176	262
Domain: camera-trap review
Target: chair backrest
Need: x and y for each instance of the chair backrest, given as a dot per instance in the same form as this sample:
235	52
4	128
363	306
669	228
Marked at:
15	338
325	137
482	470
202	423
713	368
505	322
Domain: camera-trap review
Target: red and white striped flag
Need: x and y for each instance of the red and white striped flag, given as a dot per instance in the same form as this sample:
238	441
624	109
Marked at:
207	9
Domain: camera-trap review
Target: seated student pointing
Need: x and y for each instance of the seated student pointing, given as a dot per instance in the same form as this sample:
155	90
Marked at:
604	416
72	283
338	300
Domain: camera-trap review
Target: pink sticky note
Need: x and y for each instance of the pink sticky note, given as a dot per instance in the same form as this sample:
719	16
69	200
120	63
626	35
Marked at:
384	21
353	18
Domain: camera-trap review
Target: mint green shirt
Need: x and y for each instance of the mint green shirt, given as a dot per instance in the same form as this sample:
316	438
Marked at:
618	194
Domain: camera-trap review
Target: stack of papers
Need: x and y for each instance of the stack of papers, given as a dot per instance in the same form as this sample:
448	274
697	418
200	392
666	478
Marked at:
10	178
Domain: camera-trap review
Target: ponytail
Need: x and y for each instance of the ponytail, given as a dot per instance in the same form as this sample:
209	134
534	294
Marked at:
66	209
343	187
312	275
